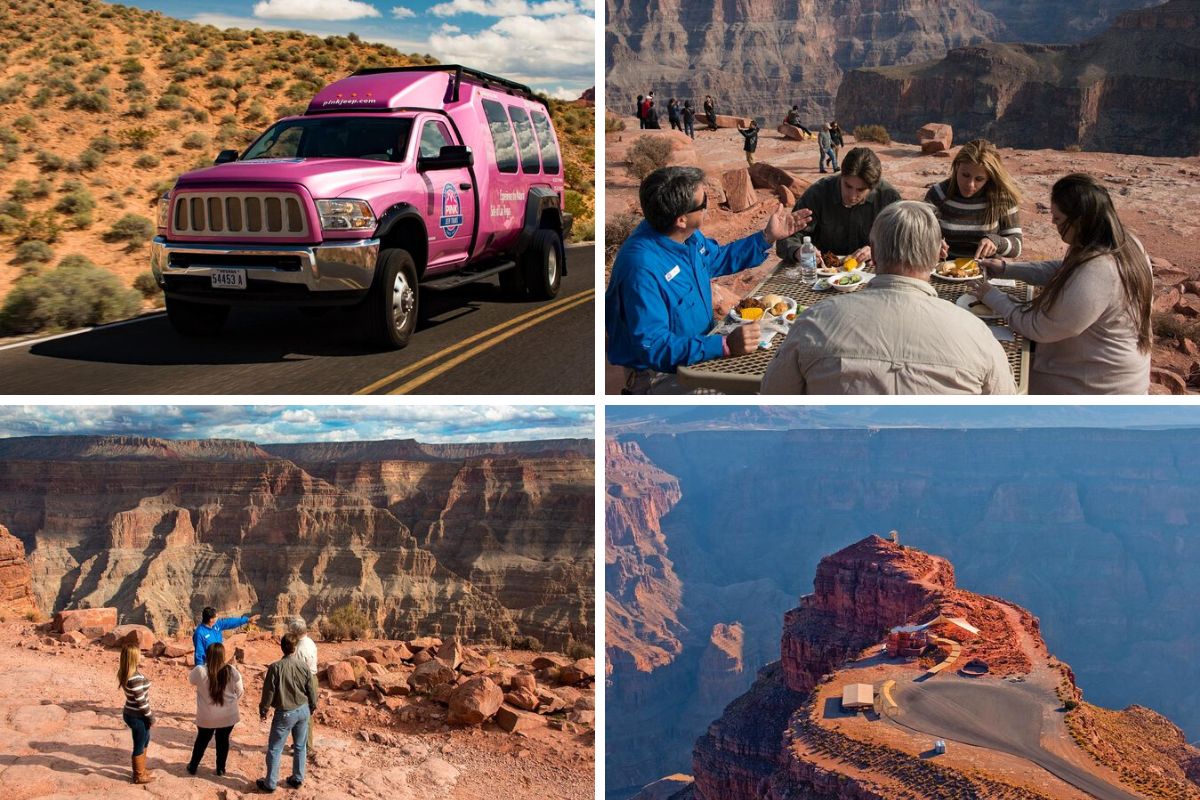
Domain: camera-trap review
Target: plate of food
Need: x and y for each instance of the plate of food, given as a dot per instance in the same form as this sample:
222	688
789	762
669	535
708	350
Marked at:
850	281
976	307
832	265
960	270
767	307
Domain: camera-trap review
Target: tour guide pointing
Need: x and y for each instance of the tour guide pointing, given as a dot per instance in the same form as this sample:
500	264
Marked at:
211	630
658	307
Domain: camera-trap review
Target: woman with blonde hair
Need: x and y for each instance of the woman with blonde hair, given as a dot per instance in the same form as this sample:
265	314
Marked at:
218	687
136	712
978	204
1091	320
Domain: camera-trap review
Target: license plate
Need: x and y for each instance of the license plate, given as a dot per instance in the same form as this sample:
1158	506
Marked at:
229	279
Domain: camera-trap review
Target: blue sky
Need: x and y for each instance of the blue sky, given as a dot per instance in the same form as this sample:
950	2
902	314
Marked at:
275	424
548	44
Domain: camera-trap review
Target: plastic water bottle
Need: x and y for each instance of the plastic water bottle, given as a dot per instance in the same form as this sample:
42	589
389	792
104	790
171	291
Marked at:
808	260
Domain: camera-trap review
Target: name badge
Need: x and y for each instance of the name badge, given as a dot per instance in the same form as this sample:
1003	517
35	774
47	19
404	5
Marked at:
670	276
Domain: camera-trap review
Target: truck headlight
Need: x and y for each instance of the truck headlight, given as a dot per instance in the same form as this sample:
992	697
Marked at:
164	210
346	215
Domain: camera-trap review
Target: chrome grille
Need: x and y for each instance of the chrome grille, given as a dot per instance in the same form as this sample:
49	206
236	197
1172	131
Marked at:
242	214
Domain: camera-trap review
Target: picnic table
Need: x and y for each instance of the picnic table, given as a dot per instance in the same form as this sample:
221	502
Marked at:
743	374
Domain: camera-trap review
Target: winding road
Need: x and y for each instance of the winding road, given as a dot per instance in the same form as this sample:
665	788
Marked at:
472	341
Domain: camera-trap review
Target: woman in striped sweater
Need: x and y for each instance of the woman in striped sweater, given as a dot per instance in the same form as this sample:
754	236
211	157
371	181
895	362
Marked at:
978	205
137	709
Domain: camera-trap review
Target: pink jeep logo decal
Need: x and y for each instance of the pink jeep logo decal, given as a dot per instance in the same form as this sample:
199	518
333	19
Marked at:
451	217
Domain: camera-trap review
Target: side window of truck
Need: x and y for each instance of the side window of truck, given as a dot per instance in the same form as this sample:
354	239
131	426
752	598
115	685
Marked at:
549	148
502	137
529	152
434	137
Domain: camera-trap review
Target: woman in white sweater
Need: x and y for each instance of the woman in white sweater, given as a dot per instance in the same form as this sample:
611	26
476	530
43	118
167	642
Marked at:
1091	321
218	687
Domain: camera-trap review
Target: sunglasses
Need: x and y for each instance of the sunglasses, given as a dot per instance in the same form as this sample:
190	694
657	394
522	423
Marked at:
703	205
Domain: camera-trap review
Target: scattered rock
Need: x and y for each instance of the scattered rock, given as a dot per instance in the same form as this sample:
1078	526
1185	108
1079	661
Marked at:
792	132
451	652
340	676
935	137
523	698
102	619
392	684
72	637
739	190
475	701
138	635
473	663
430	674
524	680
422	657
515	721
424	643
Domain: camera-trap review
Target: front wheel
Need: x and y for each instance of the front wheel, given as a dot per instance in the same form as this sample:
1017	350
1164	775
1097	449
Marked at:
541	264
196	320
392	305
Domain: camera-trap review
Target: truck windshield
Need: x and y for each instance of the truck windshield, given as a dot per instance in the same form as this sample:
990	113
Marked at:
373	138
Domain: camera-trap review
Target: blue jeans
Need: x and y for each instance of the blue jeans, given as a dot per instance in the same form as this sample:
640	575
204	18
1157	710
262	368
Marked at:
140	727
294	722
828	154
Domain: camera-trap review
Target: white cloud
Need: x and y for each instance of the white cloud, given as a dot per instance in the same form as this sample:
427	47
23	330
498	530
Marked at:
329	10
224	21
401	12
503	8
562	93
555	51
448	29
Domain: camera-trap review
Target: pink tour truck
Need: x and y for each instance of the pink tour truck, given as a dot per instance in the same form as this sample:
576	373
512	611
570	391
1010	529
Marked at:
394	181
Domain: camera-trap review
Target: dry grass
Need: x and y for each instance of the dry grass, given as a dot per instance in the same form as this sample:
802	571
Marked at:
872	133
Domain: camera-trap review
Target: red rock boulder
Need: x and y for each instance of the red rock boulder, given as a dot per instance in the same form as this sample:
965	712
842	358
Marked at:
102	619
340	676
431	674
935	137
514	720
739	190
474	701
522	698
138	635
16	579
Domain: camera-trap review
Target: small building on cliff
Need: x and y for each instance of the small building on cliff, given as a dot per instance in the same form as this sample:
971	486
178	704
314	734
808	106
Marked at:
858	696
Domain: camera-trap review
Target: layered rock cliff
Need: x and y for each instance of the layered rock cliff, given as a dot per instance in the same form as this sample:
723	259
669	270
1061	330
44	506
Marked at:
760	58
504	545
1135	88
16	579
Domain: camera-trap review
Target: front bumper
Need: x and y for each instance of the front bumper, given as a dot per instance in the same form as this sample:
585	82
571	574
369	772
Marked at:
331	272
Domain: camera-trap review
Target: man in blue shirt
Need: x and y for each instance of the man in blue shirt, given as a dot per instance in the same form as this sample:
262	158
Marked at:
211	630
658	306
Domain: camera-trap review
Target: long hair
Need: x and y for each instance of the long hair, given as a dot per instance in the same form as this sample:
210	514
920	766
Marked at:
129	663
218	672
1098	232
1002	192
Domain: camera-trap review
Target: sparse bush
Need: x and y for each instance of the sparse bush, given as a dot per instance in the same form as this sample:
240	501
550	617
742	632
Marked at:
132	228
146	161
41	227
21	191
1073	148
90	159
132	67
170	102
346	622
51	162
526	643
138	110
34	252
25	123
583	231
14	208
75	201
574	204
104	144
96	102
147	286
646	155
1070	705
73	294
872	133
616	231
195	141
578	650
137	138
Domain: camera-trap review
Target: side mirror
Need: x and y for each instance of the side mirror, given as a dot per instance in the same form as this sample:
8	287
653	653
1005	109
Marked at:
225	156
452	156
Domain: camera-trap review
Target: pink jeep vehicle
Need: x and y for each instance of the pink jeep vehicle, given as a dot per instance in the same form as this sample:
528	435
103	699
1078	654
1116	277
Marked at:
393	179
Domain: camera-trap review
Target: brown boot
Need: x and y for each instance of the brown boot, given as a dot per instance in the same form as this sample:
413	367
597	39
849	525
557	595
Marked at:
141	774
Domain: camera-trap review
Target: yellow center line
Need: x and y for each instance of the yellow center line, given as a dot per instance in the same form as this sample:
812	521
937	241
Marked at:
424	362
477	349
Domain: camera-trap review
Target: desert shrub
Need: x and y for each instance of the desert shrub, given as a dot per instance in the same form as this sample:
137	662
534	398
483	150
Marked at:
14	208
301	90
346	622
583	231
1072	148
616	231
43	187
196	113
96	102
147	286
195	141
41	98
577	650
73	294
132	228
574	204
75	201
526	643
291	110
104	144
1070	705
276	83
41	227
132	67
25	123
51	162
90	159
95	75
169	102
34	252
146	161
137	138
21	191
872	133
646	155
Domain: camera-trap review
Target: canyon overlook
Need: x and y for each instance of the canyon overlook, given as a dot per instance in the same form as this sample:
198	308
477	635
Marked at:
487	542
1087	527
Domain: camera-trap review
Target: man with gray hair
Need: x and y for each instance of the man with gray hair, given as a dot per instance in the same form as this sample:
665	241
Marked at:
895	335
306	651
658	306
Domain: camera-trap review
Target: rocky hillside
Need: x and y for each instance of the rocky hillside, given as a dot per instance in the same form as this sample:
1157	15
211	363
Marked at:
16	582
102	106
760	58
788	738
1131	89
491	548
1090	527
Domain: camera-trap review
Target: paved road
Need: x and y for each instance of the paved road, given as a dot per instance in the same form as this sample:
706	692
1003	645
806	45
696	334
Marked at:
472	342
999	716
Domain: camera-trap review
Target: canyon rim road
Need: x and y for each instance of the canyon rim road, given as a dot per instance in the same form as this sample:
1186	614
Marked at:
471	342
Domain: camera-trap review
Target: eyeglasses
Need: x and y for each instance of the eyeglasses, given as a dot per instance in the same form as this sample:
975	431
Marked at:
703	205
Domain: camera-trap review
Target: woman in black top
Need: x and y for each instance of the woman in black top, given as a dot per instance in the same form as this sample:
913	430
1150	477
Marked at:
136	712
673	114
710	111
689	119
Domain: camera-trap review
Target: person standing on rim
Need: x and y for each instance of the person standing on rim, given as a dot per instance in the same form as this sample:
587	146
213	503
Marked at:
673	114
710	111
136	713
689	119
751	136
212	630
306	649
825	145
291	690
637	112
218	687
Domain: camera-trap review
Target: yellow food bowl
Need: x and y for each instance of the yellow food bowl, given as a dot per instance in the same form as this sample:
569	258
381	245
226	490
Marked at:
750	314
850	263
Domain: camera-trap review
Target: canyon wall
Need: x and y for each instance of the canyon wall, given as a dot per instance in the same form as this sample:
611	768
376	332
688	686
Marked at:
16	579
161	529
1134	88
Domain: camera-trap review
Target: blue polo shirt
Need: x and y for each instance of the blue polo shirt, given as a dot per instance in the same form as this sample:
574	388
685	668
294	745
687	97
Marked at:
658	306
209	634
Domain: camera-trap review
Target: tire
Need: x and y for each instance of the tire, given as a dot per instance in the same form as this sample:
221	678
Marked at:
391	307
541	264
196	320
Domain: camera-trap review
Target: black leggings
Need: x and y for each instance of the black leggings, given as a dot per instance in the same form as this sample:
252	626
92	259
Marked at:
203	736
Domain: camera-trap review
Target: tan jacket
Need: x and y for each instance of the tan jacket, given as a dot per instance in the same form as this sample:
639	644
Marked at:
894	336
1087	344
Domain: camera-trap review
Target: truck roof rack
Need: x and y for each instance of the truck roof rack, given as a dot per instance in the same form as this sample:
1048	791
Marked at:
459	71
